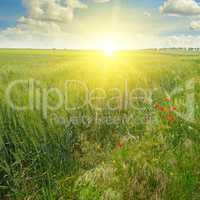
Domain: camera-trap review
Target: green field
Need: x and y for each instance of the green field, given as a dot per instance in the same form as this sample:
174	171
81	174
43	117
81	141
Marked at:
149	149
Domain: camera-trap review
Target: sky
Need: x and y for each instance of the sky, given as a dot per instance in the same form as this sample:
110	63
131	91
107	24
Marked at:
89	24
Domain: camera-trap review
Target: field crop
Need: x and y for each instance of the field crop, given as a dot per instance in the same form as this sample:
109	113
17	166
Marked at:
80	125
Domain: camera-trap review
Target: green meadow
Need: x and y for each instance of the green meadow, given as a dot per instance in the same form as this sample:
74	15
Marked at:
99	127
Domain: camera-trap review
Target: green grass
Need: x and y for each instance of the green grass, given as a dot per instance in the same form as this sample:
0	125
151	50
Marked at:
100	161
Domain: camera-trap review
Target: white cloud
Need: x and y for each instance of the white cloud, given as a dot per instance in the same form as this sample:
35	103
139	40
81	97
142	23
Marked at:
52	10
185	41
45	25
147	14
45	22
180	7
195	25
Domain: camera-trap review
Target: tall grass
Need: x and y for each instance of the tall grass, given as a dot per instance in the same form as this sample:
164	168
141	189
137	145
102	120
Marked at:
44	160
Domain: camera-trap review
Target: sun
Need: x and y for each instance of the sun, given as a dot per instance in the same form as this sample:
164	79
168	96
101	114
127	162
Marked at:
108	47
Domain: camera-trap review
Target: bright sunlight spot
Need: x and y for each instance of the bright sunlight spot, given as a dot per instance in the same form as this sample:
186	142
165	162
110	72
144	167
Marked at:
109	47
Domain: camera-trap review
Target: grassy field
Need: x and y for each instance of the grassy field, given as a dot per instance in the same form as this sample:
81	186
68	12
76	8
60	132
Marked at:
147	151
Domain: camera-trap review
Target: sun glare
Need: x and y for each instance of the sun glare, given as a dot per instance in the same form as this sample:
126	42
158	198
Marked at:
108	47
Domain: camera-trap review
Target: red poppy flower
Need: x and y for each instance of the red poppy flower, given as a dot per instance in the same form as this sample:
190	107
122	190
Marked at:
167	99
120	145
162	109
174	108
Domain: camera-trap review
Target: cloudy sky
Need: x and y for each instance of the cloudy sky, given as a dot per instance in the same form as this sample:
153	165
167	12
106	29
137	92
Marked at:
88	23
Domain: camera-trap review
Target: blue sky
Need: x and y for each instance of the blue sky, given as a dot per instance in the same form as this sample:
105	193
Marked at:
87	23
10	11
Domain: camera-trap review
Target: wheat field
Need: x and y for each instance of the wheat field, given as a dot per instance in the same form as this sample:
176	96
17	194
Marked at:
98	127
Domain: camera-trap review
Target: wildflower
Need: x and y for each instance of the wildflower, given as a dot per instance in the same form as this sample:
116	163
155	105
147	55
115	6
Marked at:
120	145
174	108
162	109
167	99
